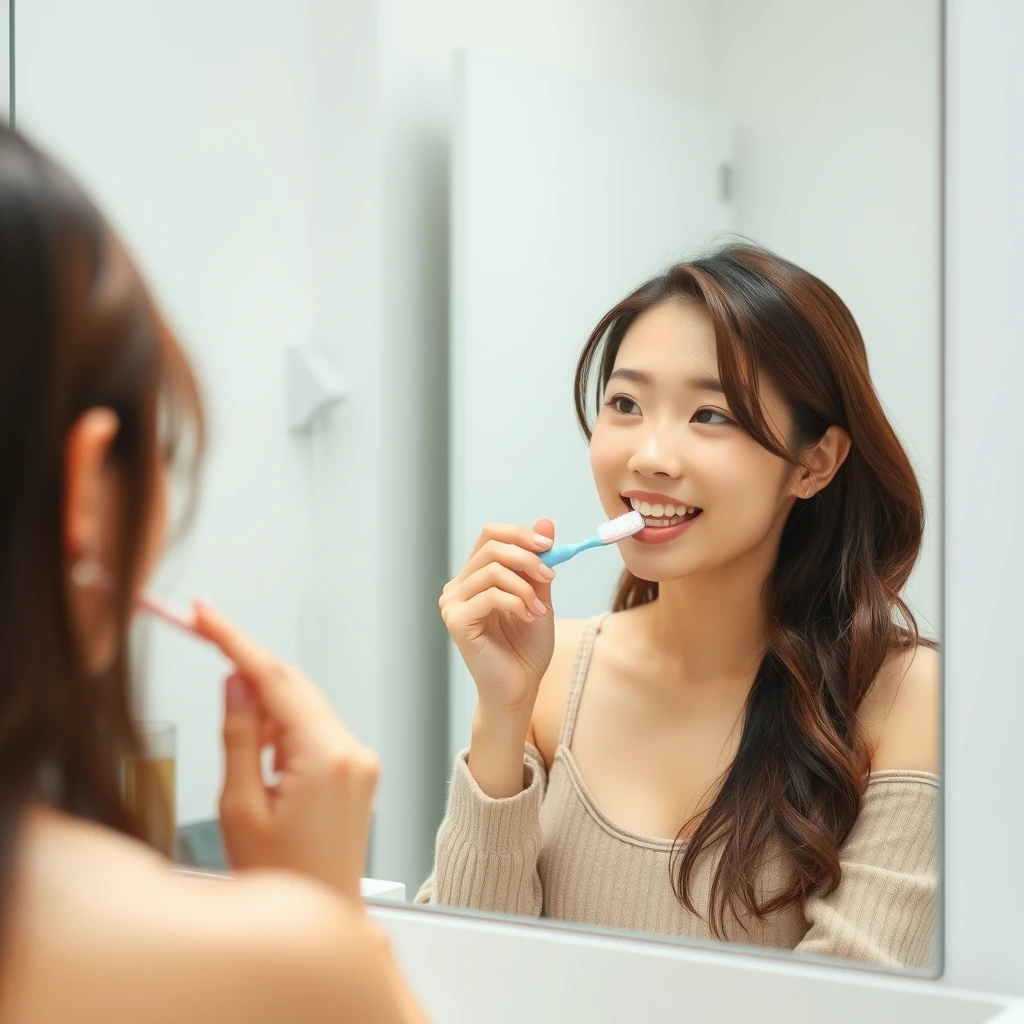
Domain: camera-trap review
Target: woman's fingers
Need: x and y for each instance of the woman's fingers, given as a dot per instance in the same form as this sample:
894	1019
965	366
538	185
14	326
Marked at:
520	536
254	662
502	578
464	618
288	699
509	555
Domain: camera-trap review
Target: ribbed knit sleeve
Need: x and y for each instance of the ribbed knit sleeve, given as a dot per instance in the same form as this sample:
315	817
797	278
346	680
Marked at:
884	910
486	852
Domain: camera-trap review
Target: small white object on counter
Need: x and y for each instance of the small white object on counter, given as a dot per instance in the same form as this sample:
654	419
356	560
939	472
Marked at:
371	888
378	889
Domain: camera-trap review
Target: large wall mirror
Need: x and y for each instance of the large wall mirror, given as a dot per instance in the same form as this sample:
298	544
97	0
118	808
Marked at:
782	183
571	262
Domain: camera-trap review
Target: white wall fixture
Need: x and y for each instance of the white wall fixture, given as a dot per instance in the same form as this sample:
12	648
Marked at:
379	889
314	385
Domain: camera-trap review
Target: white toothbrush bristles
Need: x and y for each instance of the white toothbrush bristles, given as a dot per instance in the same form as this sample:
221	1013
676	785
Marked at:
621	527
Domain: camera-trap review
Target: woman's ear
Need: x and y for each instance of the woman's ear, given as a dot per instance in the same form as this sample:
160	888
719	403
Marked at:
86	485
822	463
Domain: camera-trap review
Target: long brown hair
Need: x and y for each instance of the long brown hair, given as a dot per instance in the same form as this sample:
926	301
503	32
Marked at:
78	330
833	602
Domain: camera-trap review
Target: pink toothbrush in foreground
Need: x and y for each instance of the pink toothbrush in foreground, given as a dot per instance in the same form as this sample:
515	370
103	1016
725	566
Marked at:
92	574
169	614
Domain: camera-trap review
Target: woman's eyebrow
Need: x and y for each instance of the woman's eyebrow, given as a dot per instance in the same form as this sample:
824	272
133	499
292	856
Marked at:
701	383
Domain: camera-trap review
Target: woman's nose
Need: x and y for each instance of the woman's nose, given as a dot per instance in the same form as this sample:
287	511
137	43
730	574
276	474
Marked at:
656	456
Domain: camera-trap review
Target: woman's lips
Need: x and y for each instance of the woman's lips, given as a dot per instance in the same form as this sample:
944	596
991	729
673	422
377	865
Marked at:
659	529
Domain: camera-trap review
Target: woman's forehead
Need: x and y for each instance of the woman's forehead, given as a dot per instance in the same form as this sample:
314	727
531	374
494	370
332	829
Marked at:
675	339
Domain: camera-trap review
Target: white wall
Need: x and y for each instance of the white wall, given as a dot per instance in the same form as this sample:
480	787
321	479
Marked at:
656	44
5	53
839	110
984	698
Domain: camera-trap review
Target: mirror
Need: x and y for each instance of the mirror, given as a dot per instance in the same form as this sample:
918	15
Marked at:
424	217
652	790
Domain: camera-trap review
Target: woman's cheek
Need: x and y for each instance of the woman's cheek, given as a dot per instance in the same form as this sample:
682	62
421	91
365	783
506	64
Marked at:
607	461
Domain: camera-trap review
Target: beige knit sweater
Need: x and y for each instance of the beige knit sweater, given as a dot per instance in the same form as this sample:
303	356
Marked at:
550	851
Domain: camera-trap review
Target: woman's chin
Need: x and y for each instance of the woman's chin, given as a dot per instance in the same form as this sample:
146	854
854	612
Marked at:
656	570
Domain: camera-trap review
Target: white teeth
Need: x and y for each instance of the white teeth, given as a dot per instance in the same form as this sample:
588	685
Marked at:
662	513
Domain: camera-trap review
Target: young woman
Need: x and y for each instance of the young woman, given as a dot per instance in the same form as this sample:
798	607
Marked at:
746	747
96	926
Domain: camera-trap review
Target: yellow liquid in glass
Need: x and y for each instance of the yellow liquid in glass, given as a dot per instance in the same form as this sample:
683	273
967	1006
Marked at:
149	787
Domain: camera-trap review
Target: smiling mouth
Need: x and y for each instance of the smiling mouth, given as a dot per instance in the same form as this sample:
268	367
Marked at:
658	517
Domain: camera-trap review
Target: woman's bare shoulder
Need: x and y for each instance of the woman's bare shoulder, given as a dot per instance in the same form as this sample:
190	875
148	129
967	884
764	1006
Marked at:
546	722
901	713
139	941
549	710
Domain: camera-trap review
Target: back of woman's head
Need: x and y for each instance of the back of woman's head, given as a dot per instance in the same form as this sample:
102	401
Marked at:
833	604
78	332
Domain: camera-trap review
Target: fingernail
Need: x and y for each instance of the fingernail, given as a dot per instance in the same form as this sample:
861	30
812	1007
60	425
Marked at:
540	607
546	572
239	695
530	618
542	542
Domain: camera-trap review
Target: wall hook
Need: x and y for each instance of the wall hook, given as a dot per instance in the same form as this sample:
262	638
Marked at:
314	385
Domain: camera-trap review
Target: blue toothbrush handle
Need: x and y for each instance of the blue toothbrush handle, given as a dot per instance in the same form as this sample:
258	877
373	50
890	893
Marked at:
563	552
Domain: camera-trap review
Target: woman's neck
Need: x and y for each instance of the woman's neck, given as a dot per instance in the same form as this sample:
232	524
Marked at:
712	626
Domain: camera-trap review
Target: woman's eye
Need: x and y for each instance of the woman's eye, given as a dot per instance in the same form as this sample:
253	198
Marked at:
712	417
624	405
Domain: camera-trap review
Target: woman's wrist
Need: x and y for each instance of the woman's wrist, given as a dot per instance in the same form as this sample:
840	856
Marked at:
496	755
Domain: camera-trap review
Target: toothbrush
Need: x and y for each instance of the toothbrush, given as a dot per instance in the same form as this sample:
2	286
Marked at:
164	611
96	576
611	532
